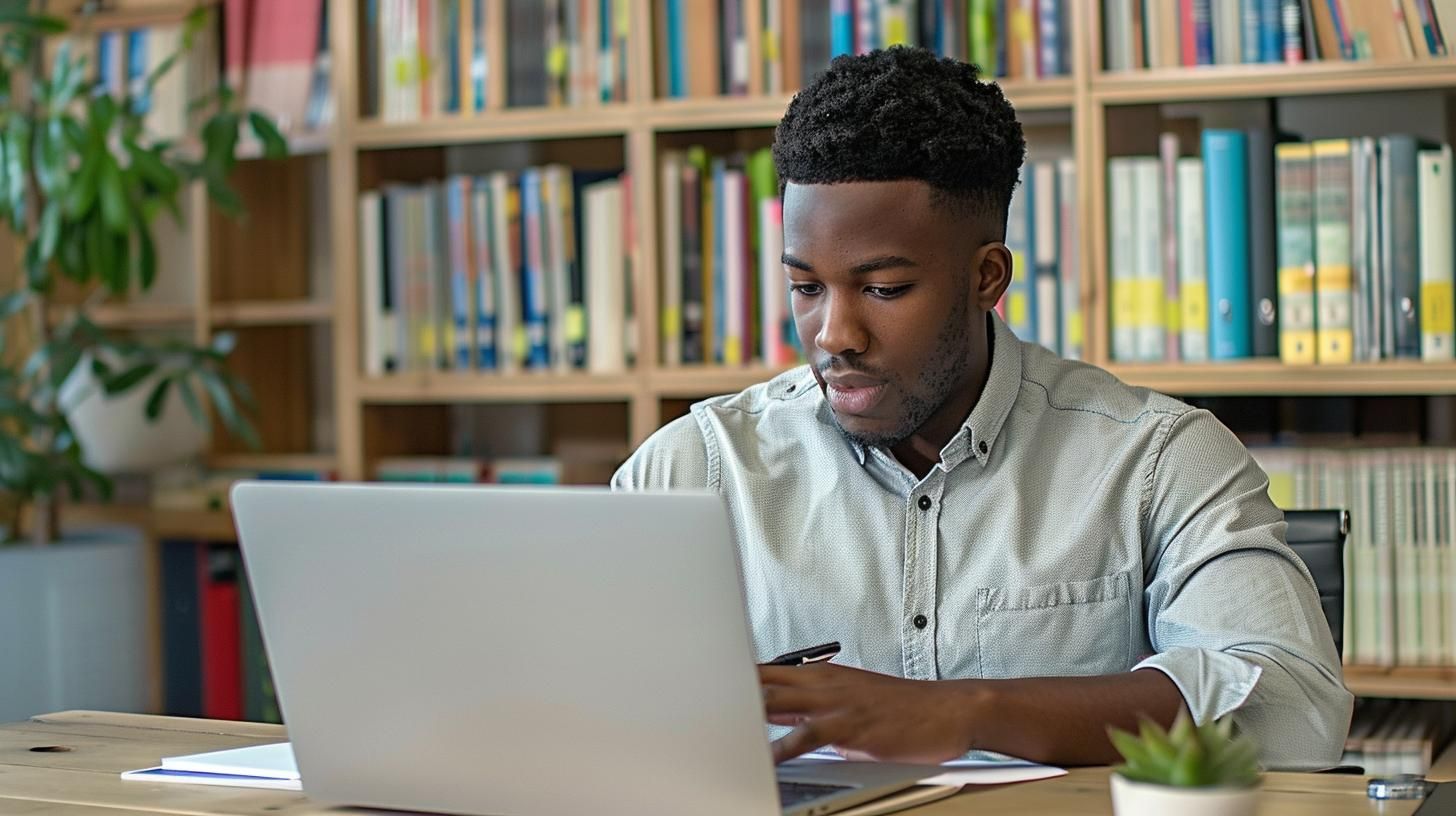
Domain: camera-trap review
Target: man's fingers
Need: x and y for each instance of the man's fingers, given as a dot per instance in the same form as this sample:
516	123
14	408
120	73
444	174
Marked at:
790	701
812	734
786	675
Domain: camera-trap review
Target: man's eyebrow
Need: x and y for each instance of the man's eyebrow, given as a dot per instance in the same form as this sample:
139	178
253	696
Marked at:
864	268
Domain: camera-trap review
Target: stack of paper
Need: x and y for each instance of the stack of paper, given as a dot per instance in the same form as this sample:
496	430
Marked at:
258	766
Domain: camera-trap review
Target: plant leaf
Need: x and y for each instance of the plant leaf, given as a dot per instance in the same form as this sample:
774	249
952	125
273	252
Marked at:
113	196
158	399
194	405
17	156
82	195
146	257
19	19
274	145
130	378
12	303
50	230
228	410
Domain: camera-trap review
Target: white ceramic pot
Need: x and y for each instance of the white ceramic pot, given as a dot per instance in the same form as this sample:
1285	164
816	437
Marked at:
1142	799
73	625
115	433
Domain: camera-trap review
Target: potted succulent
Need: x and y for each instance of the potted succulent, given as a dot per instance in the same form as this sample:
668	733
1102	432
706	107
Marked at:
1193	770
83	179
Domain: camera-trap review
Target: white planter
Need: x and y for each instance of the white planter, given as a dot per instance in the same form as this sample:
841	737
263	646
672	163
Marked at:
73	623
1142	799
114	431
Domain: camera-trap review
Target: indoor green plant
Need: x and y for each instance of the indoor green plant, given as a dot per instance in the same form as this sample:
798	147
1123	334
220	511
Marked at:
1200	770
82	182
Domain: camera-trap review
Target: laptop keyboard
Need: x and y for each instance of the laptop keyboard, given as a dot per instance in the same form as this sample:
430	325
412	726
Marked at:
797	793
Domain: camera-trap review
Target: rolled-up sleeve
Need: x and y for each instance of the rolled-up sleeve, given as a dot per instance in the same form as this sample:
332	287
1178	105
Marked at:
1232	613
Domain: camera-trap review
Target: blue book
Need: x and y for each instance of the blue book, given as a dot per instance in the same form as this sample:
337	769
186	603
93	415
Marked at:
181	629
107	43
1203	31
604	55
1271	31
1050	28
1021	240
452	56
677	79
482	218
1226	208
478	64
457	231
841	27
1250	48
720	278
136	69
533	273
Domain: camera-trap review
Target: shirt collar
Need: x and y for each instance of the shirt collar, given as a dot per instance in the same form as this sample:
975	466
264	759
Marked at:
978	434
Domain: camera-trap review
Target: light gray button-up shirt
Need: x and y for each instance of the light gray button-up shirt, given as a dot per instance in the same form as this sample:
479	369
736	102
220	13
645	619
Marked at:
1074	526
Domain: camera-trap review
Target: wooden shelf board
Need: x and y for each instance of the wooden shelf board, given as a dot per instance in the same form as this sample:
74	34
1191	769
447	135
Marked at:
494	126
131	315
272	313
1413	682
1258	81
717	113
310	143
707	381
1270	377
136	15
210	525
274	461
443	387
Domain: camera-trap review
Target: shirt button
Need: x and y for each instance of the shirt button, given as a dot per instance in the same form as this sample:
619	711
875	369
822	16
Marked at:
921	622
983	447
924	502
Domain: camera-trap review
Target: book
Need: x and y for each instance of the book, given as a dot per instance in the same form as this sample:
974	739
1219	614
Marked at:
1334	335
269	767
1225	160
1436	299
1263	278
1295	226
1192	262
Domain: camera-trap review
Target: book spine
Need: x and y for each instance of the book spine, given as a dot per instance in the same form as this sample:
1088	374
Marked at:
1187	39
1225	159
484	276
1295	212
841	27
1291	28
1148	259
1020	241
1263	278
1271	31
1251	34
1122	199
457	197
181	628
1334	329
1192	262
1436	254
1203	31
1069	268
1048	201
222	671
1168	149
692	264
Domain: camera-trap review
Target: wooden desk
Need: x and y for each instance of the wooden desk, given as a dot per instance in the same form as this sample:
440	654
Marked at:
82	752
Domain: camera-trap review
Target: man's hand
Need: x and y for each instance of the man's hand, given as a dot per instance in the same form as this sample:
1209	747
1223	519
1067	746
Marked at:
865	715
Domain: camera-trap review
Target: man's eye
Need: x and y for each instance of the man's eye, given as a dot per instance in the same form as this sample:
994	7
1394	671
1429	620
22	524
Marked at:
808	289
888	292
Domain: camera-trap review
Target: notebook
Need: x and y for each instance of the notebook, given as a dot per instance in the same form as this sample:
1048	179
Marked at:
257	766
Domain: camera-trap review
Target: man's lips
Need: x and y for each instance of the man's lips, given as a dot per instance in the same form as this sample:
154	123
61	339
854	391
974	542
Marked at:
853	393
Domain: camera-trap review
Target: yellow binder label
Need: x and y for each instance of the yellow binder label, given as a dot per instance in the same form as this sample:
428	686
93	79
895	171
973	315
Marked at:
671	321
1148	301
1193	306
1074	328
520	344
1124	307
1437	308
1016	311
556	61
575	324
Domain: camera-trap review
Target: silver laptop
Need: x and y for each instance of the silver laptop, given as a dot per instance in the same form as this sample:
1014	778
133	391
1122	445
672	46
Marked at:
521	652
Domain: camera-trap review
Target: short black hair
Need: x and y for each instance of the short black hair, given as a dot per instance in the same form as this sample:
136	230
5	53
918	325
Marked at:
905	114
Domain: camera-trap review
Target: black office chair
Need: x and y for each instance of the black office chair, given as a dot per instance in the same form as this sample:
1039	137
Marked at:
1318	537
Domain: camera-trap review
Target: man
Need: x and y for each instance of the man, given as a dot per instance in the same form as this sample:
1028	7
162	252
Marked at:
1015	551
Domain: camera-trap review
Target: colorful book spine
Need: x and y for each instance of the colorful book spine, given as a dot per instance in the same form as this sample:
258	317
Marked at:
457	225
1399	235
484	274
222	670
1168	150
1225	158
1263	277
1291	31
1437	321
1122	198
1334	328
1044	255
1070	267
841	27
1203	31
1150	315
669	176
1020	309
776	319
533	273
1192	262
1250	35
692	257
1294	164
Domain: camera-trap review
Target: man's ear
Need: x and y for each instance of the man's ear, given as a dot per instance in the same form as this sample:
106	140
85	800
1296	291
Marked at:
992	270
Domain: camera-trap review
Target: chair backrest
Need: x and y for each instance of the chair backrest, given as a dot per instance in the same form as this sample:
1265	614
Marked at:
1318	537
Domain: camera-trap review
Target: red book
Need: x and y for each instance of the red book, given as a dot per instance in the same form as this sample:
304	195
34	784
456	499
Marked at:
1187	41
222	648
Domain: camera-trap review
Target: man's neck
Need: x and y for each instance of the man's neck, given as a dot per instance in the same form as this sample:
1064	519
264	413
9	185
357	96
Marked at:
921	451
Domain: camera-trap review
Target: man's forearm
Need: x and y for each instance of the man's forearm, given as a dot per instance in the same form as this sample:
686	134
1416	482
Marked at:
1062	720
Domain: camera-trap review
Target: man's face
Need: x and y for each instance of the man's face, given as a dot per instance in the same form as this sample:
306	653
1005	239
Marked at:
887	297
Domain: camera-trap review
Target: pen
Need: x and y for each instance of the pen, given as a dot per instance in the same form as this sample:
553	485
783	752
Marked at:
802	657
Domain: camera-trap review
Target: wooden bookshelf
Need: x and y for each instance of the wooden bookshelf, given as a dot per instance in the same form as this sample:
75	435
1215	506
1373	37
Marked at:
133	315
500	126
1268	80
444	387
686	382
1416	682
1272	378
272	313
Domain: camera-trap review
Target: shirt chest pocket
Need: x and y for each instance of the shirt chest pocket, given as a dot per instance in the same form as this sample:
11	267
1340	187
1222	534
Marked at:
1074	628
